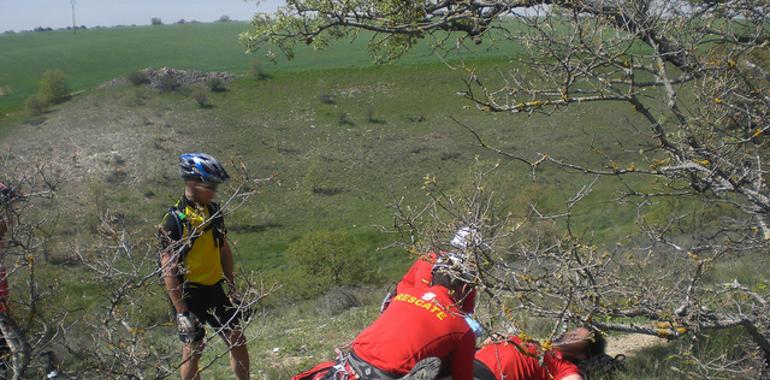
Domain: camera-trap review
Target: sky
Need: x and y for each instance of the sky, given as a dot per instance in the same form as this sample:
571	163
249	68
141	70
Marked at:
27	14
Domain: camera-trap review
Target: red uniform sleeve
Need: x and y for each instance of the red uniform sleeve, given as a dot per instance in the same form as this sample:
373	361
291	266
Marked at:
462	358
561	368
419	274
407	282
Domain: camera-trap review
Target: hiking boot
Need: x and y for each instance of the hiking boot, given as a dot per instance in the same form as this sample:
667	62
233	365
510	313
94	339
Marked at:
426	369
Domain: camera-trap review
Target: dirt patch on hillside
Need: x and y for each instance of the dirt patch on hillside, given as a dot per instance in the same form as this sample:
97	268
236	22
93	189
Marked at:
114	145
630	344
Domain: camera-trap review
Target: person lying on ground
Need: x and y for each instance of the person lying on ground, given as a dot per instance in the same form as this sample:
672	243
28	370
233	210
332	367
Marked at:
420	323
512	359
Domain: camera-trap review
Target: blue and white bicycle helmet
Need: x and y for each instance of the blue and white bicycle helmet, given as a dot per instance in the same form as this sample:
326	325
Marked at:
201	167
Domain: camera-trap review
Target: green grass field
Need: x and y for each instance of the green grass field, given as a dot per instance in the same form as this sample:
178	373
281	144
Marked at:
91	57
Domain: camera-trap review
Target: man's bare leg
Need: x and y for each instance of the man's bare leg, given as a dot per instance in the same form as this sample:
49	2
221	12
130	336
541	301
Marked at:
239	354
191	355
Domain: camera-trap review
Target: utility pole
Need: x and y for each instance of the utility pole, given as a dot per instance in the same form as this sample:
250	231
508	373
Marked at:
74	26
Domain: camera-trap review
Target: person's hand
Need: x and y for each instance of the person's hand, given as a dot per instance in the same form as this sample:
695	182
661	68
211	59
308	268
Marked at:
386	301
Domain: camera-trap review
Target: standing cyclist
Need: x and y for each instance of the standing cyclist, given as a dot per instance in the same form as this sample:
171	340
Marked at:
196	261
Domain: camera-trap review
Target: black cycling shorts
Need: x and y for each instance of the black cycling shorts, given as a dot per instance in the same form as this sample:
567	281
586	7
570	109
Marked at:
210	305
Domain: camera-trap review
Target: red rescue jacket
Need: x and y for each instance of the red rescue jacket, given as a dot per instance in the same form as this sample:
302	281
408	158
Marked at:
418	324
506	358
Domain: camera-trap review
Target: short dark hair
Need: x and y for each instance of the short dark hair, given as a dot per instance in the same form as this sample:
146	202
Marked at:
596	344
445	280
459	287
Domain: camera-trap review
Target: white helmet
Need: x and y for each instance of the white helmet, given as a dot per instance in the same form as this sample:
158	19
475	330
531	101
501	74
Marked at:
466	237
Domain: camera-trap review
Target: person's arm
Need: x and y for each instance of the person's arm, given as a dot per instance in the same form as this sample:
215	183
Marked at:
462	358
419	274
171	281
562	369
169	234
226	256
407	282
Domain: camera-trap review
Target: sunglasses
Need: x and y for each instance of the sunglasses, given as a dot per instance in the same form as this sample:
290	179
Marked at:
207	186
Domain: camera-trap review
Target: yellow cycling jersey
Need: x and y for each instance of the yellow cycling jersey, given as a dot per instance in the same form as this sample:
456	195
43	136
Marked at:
202	262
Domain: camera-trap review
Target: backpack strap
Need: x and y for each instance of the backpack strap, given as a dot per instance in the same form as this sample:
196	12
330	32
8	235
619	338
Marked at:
217	223
183	222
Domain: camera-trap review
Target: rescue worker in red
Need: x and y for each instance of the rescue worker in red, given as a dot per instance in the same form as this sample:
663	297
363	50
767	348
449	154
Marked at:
419	274
419	324
512	359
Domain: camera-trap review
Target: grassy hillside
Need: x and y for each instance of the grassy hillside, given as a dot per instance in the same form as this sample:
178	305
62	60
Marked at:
90	57
346	140
282	126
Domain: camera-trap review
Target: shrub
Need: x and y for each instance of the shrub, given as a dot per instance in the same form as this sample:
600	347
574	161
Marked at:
181	21
168	83
416	118
327	99
53	87
224	18
343	118
138	77
35	106
156	21
201	98
372	118
326	259
257	72
216	85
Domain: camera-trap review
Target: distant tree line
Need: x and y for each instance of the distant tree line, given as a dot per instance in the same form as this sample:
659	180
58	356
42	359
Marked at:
153	21
48	29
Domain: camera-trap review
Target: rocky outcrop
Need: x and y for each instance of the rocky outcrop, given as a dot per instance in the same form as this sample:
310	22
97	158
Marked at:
162	78
158	77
